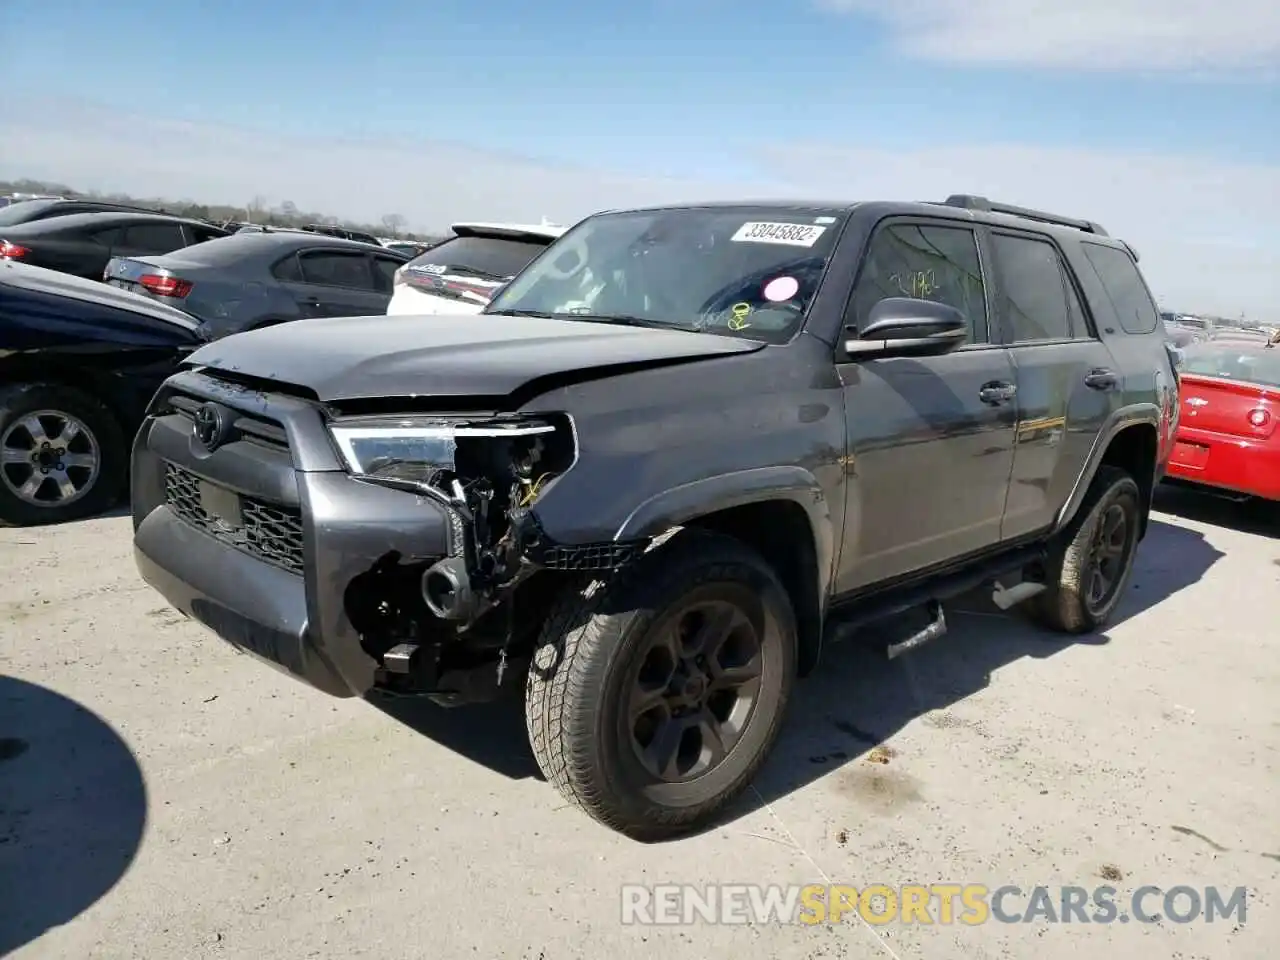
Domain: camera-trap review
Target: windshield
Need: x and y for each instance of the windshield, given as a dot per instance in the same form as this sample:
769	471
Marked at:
20	211
749	271
1261	366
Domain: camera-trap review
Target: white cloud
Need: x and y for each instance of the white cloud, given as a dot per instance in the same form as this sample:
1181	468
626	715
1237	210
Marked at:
1215	36
1208	232
432	183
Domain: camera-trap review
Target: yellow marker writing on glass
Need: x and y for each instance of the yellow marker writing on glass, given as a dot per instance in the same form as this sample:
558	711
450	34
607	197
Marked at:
740	313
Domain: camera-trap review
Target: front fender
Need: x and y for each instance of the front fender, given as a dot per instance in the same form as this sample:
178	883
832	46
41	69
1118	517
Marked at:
679	505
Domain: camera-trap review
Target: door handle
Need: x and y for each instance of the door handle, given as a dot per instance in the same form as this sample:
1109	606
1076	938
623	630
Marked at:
997	392
1100	378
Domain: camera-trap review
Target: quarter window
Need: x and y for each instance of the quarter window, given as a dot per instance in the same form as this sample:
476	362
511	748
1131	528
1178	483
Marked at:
384	272
1124	287
1034	297
287	270
925	262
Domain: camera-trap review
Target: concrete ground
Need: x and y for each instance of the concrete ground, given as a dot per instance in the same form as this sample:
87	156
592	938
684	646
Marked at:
164	797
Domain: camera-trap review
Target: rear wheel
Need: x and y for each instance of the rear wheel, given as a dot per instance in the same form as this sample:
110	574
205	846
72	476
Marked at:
655	696
1089	569
62	455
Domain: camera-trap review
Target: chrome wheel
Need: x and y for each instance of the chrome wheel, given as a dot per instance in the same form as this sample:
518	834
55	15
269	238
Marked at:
49	458
695	691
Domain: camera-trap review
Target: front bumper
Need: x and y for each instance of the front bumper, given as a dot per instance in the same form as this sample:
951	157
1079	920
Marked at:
259	540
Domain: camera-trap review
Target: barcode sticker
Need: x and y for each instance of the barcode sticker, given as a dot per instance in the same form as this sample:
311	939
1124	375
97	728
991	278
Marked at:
788	234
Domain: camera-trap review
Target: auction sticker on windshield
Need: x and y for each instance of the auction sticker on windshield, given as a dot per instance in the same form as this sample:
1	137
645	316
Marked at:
790	234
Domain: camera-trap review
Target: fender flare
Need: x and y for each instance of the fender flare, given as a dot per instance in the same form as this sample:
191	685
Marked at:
688	501
1134	414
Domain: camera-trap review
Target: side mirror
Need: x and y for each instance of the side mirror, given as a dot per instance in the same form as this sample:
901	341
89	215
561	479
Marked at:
906	327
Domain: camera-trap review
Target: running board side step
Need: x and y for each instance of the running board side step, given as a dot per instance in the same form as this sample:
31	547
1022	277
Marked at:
937	627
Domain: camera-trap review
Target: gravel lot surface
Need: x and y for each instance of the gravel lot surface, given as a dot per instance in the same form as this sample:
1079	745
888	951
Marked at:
163	797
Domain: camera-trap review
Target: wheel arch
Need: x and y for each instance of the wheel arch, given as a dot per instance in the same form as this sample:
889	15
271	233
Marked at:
781	512
19	371
1130	441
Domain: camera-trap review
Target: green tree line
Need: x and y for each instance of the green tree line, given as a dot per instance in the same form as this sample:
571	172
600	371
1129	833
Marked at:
256	210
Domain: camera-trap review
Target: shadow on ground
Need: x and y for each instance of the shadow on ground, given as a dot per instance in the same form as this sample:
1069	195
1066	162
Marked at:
73	808
856	699
1251	516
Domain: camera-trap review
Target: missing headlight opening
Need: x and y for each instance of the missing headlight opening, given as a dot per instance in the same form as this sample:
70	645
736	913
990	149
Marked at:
424	621
499	472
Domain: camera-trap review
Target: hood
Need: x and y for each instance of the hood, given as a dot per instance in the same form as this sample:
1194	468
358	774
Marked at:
348	358
33	279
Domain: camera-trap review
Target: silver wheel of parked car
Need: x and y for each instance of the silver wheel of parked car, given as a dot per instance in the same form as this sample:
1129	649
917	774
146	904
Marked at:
49	458
64	454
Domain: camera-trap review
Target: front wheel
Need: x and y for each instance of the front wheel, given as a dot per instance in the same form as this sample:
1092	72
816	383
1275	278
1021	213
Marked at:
654	696
1089	569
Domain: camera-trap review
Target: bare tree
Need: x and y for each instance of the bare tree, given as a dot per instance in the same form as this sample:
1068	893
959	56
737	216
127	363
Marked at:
257	208
393	222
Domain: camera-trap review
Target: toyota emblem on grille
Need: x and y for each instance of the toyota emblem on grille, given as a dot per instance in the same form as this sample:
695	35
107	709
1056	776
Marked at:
210	426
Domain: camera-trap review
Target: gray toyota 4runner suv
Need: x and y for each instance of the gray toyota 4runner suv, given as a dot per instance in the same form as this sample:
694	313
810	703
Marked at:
678	454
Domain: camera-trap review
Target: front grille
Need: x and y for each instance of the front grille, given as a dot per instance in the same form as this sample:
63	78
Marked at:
268	531
591	556
254	429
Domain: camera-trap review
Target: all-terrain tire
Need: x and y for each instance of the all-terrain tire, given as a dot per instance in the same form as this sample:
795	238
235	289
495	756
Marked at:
1065	606
105	488
580	680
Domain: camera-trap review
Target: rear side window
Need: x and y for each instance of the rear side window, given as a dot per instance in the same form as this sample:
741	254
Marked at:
493	257
1034	300
153	237
1124	287
110	237
331	269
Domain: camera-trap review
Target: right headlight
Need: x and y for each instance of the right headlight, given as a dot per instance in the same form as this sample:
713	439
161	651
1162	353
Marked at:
412	448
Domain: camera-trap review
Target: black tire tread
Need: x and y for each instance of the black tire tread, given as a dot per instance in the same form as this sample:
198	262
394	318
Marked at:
1061	607
583	642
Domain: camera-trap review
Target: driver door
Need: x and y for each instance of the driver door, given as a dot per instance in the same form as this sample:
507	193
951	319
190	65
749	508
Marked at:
930	439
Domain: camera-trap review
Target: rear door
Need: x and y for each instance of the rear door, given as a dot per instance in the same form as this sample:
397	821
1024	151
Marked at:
334	283
1067	382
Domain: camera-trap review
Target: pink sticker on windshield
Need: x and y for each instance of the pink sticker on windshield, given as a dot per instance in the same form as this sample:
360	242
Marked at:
781	288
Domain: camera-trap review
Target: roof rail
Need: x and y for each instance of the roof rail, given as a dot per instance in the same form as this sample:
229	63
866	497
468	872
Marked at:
970	202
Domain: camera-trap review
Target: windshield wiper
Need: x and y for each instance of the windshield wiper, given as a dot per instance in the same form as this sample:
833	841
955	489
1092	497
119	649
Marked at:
537	314
458	270
628	320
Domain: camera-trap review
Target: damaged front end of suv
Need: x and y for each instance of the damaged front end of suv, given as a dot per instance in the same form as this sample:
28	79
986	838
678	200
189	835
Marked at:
448	628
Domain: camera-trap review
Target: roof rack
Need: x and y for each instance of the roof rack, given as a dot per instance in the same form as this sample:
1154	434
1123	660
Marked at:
970	202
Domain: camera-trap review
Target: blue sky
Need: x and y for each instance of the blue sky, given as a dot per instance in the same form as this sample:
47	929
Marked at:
711	96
